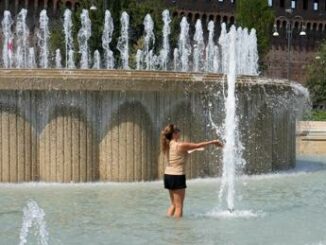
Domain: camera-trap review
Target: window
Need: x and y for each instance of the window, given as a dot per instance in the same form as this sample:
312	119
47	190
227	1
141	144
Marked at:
293	4
282	3
305	4
316	5
270	3
220	0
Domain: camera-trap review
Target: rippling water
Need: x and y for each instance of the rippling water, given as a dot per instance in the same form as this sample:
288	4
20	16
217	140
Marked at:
283	208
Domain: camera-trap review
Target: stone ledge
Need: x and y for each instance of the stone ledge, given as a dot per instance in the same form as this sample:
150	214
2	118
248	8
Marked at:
57	79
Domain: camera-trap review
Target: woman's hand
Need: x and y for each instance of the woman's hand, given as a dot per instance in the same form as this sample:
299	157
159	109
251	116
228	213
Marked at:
217	143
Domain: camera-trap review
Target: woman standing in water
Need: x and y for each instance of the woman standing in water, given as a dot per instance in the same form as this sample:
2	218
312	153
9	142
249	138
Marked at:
174	175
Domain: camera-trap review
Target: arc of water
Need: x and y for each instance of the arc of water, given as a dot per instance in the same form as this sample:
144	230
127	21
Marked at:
67	26
7	50
33	216
22	44
106	40
83	36
165	51
123	41
43	39
199	47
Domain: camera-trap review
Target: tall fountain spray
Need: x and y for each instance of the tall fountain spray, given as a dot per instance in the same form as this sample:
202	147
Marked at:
83	36
123	41
22	44
139	62
242	53
149	41
199	47
58	59
33	217
223	42
253	53
176	63
165	51
67	27
209	61
43	39
7	50
31	60
184	45
97	60
71	62
106	40
232	151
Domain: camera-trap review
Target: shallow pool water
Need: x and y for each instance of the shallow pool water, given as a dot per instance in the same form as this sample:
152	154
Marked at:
283	208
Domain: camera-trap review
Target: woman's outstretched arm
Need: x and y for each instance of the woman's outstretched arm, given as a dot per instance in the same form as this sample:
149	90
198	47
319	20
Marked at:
188	146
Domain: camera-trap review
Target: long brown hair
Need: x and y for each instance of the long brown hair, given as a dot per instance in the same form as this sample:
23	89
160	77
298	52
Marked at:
166	137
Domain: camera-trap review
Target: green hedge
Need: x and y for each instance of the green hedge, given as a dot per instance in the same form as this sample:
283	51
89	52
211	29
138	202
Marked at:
315	115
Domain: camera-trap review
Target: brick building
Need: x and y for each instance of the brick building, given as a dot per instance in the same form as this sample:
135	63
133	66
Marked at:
312	18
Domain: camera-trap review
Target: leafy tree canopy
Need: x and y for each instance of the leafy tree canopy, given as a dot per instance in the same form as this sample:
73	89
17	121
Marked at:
257	14
316	81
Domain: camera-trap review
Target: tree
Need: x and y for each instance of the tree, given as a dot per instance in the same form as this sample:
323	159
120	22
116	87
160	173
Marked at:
316	81
137	9
257	14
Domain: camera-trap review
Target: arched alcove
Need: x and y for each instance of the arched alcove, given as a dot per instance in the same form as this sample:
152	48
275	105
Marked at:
17	146
67	148
128	147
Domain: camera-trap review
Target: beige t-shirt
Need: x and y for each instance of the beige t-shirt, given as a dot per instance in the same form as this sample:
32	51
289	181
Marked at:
177	160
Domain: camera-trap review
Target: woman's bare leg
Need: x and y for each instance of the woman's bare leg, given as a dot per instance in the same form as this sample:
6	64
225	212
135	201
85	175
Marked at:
178	197
172	207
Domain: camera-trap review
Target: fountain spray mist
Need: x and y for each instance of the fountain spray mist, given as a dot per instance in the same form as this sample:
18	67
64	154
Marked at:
58	59
43	39
84	34
199	47
165	51
106	40
123	41
34	217
232	151
22	44
67	27
184	44
7	49
149	42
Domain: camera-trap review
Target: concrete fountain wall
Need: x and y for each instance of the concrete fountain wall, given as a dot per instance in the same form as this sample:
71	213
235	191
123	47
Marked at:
99	125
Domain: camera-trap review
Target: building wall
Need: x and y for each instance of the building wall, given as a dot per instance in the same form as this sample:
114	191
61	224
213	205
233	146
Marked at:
303	48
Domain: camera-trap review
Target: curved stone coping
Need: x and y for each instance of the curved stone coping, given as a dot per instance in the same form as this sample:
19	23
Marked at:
77	79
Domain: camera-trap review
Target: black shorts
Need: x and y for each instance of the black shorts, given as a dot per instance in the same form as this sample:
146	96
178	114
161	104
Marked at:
174	182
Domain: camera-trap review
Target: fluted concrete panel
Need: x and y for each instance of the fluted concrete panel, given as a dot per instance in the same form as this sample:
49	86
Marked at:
126	150
88	125
16	146
66	148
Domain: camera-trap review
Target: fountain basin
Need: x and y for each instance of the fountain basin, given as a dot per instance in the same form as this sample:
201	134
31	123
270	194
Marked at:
90	125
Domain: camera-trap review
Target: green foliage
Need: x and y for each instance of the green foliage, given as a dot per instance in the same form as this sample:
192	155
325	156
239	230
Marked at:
257	14
315	115
316	81
137	9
